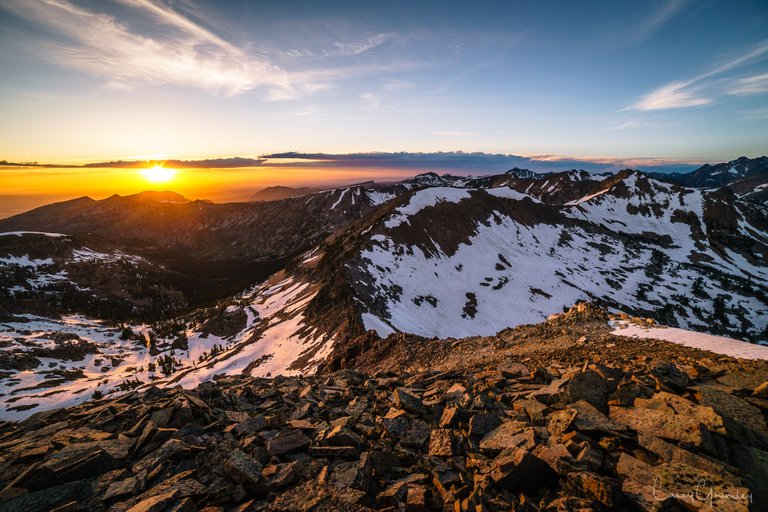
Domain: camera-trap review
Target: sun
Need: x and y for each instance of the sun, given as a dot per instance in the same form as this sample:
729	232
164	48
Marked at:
158	174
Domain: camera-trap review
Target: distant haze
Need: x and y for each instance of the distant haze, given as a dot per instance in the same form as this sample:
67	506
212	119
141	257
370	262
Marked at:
27	187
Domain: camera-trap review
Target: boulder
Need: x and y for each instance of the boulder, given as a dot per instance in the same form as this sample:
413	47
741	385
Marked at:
589	386
669	377
603	489
520	470
507	435
482	423
395	423
671	417
243	468
442	443
408	402
287	441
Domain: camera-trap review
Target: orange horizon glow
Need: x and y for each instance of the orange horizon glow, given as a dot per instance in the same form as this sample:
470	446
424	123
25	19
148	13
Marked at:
26	188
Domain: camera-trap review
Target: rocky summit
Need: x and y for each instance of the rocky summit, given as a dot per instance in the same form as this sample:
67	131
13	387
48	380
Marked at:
621	424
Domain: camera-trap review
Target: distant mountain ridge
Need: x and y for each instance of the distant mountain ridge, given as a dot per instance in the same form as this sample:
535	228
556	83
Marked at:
717	175
279	192
747	177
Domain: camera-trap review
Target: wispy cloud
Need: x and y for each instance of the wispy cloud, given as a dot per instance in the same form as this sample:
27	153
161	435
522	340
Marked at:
151	43
757	84
706	88
632	123
190	55
647	27
360	47
756	114
674	95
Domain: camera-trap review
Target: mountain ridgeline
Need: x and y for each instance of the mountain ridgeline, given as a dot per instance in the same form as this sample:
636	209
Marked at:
101	297
432	255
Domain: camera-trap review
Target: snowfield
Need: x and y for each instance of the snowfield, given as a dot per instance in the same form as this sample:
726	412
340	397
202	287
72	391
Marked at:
717	344
510	273
273	338
425	198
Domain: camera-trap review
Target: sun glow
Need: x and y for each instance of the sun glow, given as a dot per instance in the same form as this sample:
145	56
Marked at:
158	174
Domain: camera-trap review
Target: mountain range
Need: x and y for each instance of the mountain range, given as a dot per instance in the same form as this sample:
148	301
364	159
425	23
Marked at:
293	285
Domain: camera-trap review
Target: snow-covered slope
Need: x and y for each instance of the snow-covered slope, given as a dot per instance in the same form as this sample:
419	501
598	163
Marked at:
474	264
716	344
48	363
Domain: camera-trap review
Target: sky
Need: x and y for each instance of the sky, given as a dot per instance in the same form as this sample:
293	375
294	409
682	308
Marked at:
117	79
663	81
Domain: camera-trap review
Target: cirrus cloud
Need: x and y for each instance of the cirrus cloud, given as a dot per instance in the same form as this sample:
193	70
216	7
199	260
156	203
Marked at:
705	88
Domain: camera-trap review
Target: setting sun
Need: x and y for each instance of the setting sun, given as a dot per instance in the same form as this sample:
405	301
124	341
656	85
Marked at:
158	174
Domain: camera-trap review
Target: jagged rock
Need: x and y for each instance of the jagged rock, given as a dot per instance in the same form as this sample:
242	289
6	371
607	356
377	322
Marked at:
281	475
557	457
395	423
445	478
507	435
671	417
416	435
743	421
350	475
457	395
514	370
450	417
171	449
123	489
486	442
243	467
669	452
408	402
626	393
340	436
655	487
397	490
761	391
250	425
342	452
158	503
287	441
416	498
669	376
590	386
589	420
383	463
604	490
442	443
560	421
520	470
552	391
481	424
534	409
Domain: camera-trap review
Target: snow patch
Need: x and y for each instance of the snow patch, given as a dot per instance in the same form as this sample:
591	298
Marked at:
21	233
424	199
717	344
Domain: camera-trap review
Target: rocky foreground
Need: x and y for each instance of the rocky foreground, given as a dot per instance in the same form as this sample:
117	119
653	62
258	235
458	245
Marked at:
613	426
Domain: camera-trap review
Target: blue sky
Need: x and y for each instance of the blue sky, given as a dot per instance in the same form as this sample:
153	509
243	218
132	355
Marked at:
123	79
